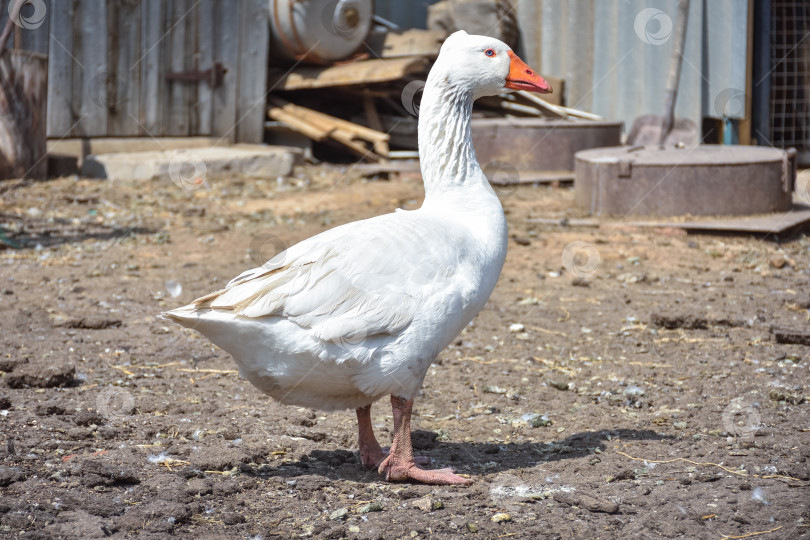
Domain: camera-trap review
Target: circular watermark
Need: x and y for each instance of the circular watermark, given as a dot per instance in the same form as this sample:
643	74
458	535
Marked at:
351	337
27	14
731	103
187	171
34	322
411	96
174	288
503	177
741	419
581	259
107	90
803	186
266	247
115	403
653	26
342	17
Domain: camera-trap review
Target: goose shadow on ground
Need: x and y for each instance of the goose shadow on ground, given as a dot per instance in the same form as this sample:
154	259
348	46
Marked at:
471	458
31	232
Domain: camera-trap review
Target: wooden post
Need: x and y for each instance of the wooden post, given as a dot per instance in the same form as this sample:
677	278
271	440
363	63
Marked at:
23	104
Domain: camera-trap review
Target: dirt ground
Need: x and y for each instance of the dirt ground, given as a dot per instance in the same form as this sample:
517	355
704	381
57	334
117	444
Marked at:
620	383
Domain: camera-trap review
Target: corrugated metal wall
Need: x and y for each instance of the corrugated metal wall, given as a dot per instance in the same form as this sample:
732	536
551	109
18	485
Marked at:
108	61
615	56
405	13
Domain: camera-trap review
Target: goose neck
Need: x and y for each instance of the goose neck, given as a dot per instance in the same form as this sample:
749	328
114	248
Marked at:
446	153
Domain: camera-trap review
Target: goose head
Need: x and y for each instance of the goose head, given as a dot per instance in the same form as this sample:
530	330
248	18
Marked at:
485	65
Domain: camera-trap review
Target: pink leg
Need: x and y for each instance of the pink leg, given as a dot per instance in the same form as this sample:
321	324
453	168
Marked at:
400	464
371	455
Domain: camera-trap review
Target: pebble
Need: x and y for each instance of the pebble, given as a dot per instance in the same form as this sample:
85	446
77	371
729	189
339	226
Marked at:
680	425
339	514
521	240
631	278
516	328
536	420
375	506
633	391
426	504
586	501
500	517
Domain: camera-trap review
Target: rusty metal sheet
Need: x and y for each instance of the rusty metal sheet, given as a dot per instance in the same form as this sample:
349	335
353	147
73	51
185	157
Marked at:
539	144
794	220
704	180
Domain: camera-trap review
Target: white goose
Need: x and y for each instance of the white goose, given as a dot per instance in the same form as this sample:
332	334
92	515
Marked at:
361	311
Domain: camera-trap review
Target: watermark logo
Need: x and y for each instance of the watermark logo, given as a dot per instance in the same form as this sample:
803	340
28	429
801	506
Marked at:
741	419
803	186
266	248
35	322
174	288
503	177
342	17
653	26
27	14
412	95
731	103
187	171
581	259
115	403
107	90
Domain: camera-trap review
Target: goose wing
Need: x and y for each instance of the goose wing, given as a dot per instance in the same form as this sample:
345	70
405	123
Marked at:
355	281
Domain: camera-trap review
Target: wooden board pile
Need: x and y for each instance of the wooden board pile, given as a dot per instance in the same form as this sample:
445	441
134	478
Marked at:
366	108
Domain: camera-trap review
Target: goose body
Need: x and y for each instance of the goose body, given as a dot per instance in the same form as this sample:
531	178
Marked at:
361	311
357	312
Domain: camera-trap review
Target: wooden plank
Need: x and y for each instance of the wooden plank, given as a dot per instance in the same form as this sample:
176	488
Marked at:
300	125
498	102
318	125
790	336
152	68
60	70
347	140
226	50
252	92
90	51
202	112
124	77
326	121
412	42
553	110
364	72
177	60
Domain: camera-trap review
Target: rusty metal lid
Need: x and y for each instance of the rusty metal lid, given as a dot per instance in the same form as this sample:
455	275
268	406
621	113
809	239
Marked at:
545	122
704	155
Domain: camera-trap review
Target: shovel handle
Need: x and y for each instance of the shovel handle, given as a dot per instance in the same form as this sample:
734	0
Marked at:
675	70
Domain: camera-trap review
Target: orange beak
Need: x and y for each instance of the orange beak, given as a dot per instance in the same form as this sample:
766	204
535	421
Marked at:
521	77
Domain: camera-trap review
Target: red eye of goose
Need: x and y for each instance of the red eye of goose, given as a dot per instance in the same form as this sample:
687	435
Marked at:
489	52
